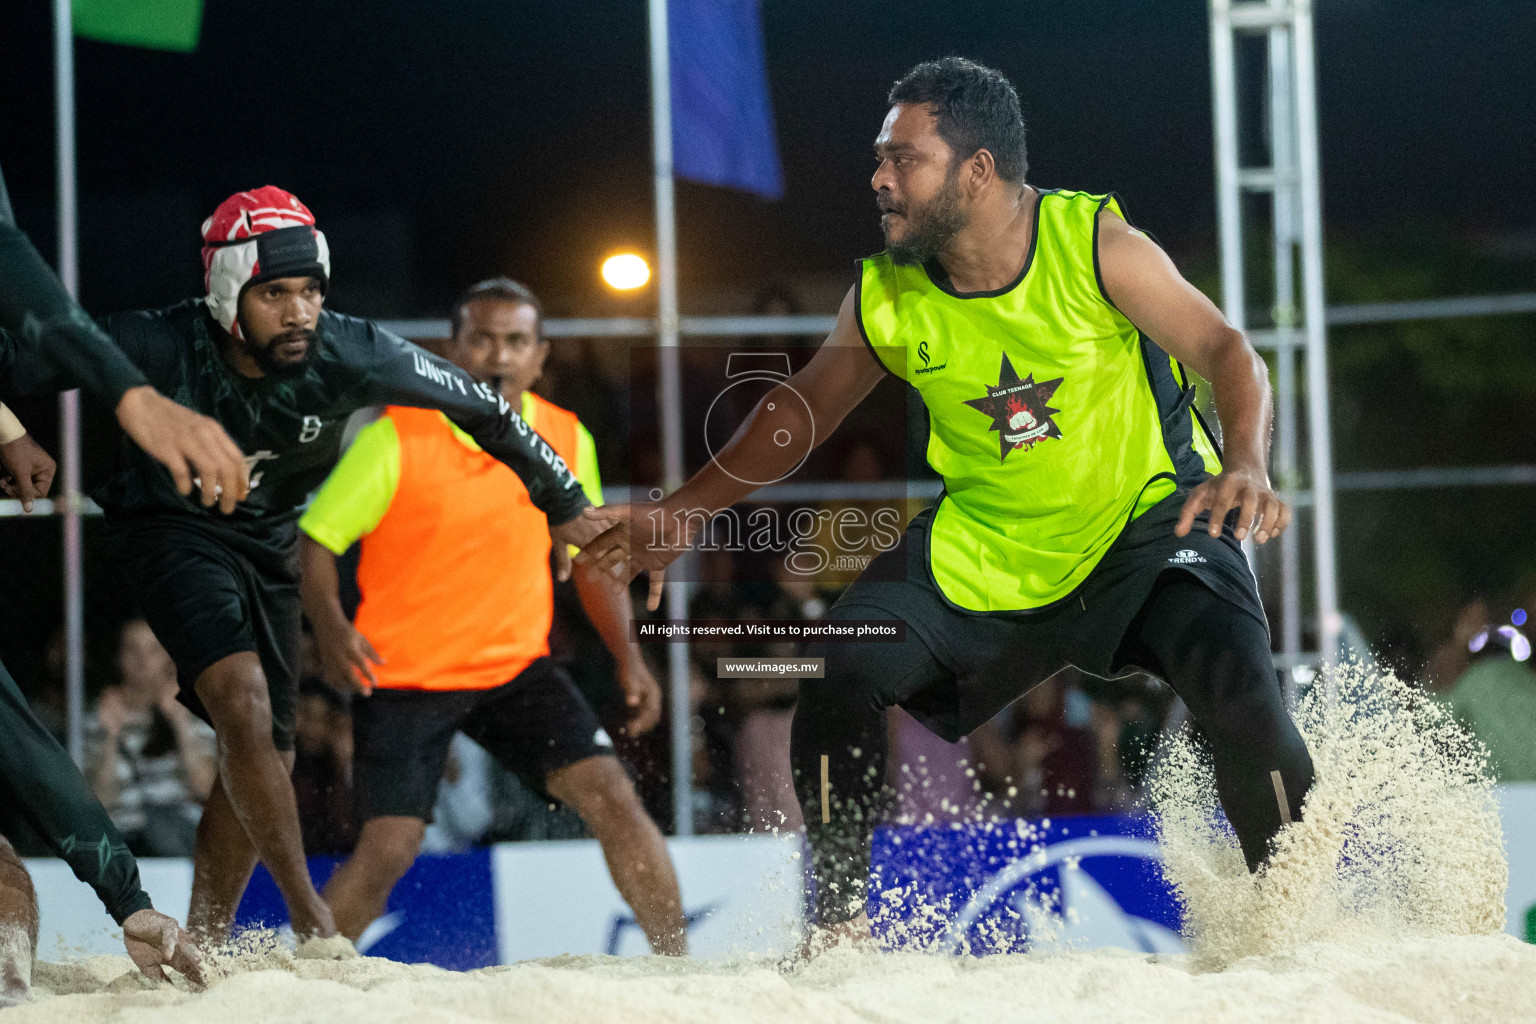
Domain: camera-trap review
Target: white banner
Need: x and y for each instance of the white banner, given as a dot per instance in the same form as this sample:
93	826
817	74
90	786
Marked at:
72	921
742	894
1517	810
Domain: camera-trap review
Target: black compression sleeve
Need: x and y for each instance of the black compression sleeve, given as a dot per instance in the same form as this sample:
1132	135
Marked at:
406	374
1215	656
50	342
38	779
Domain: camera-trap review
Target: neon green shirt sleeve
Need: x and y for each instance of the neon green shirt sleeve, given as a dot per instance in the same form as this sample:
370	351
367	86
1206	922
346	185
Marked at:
586	464
354	498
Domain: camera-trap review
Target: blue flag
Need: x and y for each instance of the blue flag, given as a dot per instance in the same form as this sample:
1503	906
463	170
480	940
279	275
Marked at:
722	121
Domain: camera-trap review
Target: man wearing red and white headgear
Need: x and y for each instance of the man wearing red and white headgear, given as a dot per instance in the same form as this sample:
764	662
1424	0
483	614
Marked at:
287	244
261	354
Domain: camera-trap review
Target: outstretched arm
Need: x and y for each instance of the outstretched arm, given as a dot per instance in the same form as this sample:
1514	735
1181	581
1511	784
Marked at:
406	374
63	347
838	377
1143	283
48	791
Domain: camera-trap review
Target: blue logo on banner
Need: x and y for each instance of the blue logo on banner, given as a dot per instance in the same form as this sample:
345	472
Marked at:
625	923
1005	887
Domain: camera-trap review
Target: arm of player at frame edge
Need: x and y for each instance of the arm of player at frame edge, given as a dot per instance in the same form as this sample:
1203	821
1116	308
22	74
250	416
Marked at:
48	343
1147	288
839	376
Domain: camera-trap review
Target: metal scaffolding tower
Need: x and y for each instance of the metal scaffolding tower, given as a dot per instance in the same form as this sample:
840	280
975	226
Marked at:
1292	182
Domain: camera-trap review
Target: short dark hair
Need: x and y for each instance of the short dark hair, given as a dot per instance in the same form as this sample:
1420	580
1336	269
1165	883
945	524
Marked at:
976	107
503	289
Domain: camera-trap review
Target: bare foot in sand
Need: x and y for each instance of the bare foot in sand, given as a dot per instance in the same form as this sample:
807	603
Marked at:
15	966
852	934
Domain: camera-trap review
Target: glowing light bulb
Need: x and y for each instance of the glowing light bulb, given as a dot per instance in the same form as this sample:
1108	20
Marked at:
626	272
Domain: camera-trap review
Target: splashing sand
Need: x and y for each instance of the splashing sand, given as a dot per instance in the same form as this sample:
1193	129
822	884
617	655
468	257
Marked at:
1400	834
1381	906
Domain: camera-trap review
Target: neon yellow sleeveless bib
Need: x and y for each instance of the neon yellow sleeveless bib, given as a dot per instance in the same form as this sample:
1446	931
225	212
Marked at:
1053	421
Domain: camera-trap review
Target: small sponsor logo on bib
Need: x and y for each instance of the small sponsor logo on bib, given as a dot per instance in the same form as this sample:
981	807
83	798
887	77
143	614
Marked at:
922	353
1188	556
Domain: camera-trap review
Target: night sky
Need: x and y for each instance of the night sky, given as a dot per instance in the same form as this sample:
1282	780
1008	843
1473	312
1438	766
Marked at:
441	142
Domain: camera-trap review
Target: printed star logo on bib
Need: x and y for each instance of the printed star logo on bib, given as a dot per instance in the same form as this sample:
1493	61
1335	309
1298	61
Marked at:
1019	410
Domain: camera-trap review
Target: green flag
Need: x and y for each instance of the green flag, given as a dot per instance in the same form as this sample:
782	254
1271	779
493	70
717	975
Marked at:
157	24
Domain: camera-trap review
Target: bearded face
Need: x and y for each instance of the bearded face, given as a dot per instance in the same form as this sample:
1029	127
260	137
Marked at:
918	230
278	324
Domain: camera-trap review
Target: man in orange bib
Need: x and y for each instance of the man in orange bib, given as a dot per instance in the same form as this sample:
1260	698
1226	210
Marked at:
453	628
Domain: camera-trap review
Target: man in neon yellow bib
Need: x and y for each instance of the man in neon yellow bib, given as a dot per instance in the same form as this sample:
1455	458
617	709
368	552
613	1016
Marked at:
1088	518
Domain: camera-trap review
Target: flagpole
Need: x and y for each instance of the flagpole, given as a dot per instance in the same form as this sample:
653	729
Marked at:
670	401
69	401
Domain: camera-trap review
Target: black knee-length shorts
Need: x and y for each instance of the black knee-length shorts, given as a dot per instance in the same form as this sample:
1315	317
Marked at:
208	593
533	726
991	658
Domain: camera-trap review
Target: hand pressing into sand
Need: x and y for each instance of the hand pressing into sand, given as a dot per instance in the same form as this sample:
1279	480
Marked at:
155	942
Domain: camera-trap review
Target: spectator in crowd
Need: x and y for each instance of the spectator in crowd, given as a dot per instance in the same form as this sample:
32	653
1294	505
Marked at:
779	298
765	711
50	703
149	759
1453	656
1040	755
717	800
1495	696
1399	650
1127	717
748	720
934	782
322	767
520	814
462	816
854	530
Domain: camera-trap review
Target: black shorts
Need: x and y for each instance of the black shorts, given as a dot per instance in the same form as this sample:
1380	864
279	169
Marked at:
208	593
534	725
995	657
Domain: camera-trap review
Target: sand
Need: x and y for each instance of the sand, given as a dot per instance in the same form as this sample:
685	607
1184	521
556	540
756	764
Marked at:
1452	979
1384	904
